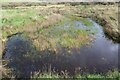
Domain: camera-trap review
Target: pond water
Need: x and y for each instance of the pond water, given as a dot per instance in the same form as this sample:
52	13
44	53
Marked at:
100	57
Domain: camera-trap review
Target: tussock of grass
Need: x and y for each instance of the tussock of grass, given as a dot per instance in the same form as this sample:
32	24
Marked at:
61	35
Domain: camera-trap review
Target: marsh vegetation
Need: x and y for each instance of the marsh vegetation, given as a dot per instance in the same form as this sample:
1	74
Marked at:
60	41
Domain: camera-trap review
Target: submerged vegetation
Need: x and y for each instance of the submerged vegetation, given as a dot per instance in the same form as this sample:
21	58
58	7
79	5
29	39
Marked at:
52	27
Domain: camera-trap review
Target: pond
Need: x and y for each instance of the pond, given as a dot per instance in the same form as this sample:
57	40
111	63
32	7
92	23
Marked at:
99	57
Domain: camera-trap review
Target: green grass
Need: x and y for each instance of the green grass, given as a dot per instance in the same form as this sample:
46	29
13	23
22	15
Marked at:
19	18
79	76
85	21
16	20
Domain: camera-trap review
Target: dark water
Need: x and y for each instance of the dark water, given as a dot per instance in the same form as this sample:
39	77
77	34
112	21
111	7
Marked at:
100	57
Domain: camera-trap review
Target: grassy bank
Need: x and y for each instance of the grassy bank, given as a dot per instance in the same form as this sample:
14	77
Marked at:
111	75
105	15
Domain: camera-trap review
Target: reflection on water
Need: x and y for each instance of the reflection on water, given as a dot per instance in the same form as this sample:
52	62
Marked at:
100	57
21	55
